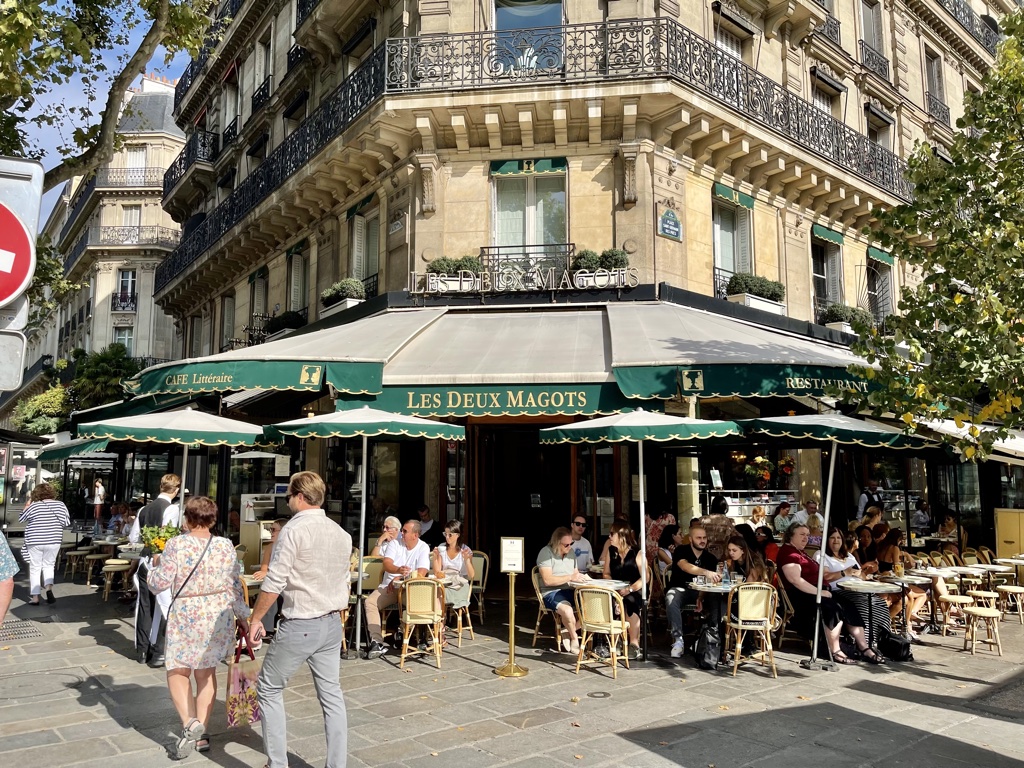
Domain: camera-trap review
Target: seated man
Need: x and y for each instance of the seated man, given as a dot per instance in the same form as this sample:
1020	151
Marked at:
688	562
557	569
402	557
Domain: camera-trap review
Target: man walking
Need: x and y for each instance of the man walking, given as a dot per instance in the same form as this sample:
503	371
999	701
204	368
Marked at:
309	568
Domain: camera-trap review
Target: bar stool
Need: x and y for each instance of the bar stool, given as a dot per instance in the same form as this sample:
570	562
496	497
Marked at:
92	560
75	560
110	569
984	598
946	602
1012	596
990	617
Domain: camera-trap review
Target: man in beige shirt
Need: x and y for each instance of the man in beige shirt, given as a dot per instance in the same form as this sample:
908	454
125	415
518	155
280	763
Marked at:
309	569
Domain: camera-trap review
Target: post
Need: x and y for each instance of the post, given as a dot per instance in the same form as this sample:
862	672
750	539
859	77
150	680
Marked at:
511	563
642	533
812	662
362	542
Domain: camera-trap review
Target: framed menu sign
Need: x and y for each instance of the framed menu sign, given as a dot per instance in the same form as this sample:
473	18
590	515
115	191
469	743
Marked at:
512	560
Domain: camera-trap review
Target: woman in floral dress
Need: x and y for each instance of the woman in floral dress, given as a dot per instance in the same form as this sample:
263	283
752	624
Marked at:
201	624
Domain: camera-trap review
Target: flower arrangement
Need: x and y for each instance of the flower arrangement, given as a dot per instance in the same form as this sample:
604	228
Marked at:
759	468
156	537
786	465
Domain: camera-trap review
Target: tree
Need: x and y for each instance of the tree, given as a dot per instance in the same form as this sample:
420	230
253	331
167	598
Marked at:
49	287
42	414
101	45
98	376
956	347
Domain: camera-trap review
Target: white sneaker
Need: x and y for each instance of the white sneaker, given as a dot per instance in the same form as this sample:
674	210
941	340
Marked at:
677	649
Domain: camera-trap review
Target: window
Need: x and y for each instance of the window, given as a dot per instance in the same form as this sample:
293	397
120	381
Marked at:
195	336
732	238
933	71
131	219
264	51
822	99
879	125
827	276
530	212
125	334
359	46
365	249
126	282
135	167
227	322
871	18
527	51
258	295
879	289
298	281
728	42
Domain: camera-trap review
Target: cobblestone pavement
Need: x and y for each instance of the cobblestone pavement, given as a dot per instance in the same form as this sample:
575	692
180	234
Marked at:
73	695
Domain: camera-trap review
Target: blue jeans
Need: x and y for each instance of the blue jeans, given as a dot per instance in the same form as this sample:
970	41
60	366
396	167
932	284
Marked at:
677	600
552	599
316	642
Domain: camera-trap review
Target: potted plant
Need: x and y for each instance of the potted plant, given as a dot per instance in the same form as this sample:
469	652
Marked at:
459	275
759	470
757	291
614	258
341	295
840	317
286	321
586	261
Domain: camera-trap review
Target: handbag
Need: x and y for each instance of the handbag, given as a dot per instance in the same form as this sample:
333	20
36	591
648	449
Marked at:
708	648
894	646
190	573
242	703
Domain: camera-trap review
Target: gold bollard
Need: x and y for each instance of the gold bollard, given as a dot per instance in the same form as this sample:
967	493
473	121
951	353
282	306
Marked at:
510	668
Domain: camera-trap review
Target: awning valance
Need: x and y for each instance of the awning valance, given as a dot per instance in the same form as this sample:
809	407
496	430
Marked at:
827	234
733	196
71	448
538	166
880	255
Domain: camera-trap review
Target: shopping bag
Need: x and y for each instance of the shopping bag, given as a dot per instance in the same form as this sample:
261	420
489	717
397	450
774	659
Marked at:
243	706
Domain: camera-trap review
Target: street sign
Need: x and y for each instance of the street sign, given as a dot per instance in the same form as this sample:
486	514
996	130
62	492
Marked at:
14	317
21	191
12	352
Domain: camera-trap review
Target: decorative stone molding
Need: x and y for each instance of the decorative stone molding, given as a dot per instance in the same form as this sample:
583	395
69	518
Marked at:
629	154
629	245
429	167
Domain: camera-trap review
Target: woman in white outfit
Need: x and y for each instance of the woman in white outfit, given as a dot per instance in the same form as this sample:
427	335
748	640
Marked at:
455	557
45	519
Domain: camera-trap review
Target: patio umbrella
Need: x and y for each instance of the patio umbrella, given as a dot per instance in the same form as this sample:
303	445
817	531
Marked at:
366	422
638	427
837	430
187	427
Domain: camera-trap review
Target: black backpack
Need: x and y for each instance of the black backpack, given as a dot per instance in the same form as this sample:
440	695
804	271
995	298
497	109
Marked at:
895	647
708	648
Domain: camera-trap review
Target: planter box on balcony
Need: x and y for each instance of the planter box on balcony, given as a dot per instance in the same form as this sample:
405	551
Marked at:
341	306
844	327
750	300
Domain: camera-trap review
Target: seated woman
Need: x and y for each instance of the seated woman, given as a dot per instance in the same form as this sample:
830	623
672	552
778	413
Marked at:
800	578
836	558
741	560
556	568
118	512
625	563
671	537
872	517
456	558
890	553
949	527
782	519
814	532
766	545
865	552
757	518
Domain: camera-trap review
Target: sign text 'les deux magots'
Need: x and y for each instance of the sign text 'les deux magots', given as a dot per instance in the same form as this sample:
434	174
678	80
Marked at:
512	279
504	400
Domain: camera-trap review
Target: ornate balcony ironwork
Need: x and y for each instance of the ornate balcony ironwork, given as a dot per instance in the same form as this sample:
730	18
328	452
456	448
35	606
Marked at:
164	237
302	10
230	133
201	147
937	107
109	177
255	332
148	362
722	278
296	55
261	95
973	23
370	285
874	60
830	29
124	302
620	50
526	257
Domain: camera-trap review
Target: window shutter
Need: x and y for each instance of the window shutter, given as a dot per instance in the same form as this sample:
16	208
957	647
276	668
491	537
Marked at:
296	287
744	253
227	319
372	247
834	273
259	296
883	293
728	42
357	264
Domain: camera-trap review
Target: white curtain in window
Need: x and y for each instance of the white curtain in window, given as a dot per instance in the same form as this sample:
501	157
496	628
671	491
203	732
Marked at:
510	211
126	281
822	100
549	222
136	166
728	42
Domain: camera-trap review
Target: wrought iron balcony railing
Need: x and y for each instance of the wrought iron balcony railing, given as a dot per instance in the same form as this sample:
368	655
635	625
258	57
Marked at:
614	51
230	133
526	257
148	362
937	107
296	55
124	302
302	10
110	177
722	278
973	23
201	147
261	95
370	285
164	237
874	60
830	29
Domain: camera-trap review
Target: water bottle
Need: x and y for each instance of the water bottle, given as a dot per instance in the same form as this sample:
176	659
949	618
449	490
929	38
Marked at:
726	577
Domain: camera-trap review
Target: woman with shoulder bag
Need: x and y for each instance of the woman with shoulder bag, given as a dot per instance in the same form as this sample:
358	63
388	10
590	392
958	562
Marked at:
208	603
45	519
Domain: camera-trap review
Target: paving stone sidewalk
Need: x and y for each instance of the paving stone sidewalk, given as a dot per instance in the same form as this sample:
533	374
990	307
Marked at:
73	696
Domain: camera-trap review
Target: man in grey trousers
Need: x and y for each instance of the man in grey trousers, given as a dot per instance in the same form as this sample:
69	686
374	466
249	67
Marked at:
309	569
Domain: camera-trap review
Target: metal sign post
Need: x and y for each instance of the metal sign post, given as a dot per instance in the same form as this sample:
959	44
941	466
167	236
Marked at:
512	561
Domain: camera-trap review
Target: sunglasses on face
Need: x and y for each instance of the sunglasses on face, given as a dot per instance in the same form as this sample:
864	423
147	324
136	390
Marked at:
567	544
579	524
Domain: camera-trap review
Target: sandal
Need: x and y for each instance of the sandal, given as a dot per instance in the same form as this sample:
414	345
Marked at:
203	744
186	743
872	656
841	658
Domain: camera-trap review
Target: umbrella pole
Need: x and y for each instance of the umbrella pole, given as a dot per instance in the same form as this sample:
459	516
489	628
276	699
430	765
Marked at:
813	662
362	536
184	474
643	553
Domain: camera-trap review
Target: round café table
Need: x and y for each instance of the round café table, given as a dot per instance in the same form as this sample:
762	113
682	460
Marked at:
991	570
869	589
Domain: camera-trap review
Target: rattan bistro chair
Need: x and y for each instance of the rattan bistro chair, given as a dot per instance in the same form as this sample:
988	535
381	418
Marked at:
481	571
754	606
597	608
422	606
542	610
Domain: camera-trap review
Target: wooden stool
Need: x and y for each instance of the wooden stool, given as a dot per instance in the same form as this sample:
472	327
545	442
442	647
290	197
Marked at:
75	560
1012	596
990	617
984	598
946	602
110	570
90	561
62	554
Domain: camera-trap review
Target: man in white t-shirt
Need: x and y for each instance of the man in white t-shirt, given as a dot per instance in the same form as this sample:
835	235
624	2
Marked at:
581	549
810	510
402	558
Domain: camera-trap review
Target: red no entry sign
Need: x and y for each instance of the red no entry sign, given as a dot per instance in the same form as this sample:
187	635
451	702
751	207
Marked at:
17	256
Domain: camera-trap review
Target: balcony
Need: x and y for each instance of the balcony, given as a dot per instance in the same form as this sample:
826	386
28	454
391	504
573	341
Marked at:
496	258
227	138
830	29
302	10
124	302
874	60
106	178
973	23
159	237
261	95
936	107
296	55
722	278
572	55
371	286
201	147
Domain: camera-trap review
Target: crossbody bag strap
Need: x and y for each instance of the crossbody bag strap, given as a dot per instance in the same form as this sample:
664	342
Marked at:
209	541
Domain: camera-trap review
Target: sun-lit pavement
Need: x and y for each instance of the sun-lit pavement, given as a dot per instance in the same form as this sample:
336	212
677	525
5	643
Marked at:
74	696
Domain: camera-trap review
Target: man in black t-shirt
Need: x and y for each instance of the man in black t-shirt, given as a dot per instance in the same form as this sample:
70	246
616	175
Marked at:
688	562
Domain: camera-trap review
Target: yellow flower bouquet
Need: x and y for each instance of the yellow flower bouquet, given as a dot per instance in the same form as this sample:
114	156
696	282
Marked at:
156	537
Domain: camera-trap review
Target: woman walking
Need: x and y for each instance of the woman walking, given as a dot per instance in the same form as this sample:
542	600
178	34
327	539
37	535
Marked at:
45	519
202	572
99	495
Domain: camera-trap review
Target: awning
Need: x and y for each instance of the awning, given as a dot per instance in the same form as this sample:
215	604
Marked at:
733	195
879	255
827	234
539	166
660	350
71	448
1002	450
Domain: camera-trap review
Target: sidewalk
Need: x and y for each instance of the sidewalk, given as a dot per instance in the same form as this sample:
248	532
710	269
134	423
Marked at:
73	696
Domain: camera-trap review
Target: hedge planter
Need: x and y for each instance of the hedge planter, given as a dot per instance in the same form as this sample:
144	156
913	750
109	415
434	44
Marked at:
340	306
843	327
765	305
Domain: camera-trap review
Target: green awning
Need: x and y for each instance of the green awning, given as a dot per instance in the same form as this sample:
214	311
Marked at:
186	427
72	448
540	165
834	427
260	274
636	426
827	234
733	196
742	379
880	255
368	422
227	375
359	206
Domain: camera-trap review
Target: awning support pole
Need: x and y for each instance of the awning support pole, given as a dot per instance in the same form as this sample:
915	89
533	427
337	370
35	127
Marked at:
813	662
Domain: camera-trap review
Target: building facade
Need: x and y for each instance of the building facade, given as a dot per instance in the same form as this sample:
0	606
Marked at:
112	233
